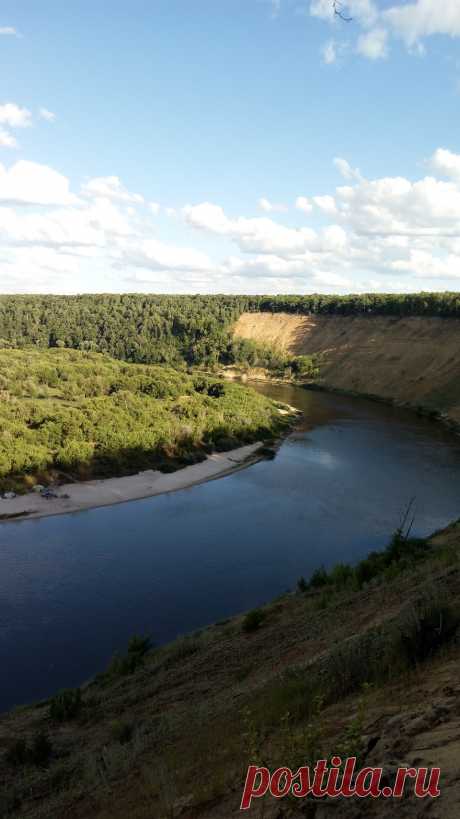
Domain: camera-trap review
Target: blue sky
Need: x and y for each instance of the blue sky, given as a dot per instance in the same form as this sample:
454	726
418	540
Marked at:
231	146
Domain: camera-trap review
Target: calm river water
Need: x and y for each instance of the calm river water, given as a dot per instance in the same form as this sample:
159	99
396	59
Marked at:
74	588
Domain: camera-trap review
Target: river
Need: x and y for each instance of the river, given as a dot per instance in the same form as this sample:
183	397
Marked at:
74	588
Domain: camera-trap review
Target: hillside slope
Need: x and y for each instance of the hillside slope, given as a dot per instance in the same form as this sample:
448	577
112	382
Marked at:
410	359
172	736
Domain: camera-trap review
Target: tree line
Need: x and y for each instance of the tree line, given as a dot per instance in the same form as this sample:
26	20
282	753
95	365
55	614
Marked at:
183	330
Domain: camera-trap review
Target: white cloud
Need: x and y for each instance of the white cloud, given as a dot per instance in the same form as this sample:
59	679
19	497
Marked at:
326	204
155	255
29	183
8	31
346	170
15	116
154	208
302	203
413	21
329	52
269	207
260	235
7	140
49	116
110	187
388	233
410	21
446	163
373	44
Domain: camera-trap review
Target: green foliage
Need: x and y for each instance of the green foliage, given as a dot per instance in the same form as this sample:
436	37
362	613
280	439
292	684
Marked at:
38	753
401	553
253	620
319	578
41	749
302	584
121	731
16	754
428	628
368	304
66	705
122	665
90	416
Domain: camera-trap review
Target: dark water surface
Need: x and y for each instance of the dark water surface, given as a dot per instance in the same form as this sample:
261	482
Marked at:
74	588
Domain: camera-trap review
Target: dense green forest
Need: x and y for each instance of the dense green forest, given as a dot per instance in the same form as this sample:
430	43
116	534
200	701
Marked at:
67	413
374	304
183	330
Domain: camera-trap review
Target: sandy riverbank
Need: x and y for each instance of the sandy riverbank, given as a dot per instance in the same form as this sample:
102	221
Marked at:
92	494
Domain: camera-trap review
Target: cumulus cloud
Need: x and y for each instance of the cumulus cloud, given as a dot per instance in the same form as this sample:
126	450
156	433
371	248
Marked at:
411	22
254	235
329	52
15	116
414	21
374	234
8	31
446	163
373	44
29	183
271	207
49	116
326	204
345	169
110	187
304	204
7	140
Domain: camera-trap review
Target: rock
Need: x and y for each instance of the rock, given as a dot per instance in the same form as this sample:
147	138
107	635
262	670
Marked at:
9	495
38	488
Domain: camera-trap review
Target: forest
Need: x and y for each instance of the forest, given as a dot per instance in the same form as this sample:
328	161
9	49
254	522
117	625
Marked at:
74	415
184	330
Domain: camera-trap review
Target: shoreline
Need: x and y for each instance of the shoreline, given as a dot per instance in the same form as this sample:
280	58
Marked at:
113	491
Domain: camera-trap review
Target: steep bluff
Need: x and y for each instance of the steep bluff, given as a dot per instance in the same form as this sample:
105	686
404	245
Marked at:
410	359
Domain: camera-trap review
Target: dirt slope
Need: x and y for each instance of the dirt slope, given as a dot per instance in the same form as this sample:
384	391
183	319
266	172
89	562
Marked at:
415	360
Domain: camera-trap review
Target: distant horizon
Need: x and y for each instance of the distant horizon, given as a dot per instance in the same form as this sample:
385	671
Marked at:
234	295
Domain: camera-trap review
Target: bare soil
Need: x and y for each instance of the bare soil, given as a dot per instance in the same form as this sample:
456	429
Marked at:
414	360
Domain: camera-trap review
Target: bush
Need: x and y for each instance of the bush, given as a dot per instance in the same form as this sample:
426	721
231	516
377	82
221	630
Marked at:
41	749
253	620
429	627
65	705
319	578
122	665
302	584
122	732
38	753
16	755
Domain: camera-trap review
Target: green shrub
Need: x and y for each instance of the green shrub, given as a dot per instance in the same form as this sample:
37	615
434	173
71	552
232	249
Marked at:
253	620
122	665
319	578
427	630
41	749
121	731
66	705
16	755
302	584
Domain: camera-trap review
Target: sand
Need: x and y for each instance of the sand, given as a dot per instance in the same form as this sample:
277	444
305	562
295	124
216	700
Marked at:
92	494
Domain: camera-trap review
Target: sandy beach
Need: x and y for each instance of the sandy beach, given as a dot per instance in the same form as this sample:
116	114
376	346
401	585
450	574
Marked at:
93	494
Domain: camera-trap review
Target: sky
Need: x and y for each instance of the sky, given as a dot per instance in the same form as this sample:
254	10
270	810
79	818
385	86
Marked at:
229	146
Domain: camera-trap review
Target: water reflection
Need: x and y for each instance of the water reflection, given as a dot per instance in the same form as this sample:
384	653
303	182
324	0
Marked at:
73	589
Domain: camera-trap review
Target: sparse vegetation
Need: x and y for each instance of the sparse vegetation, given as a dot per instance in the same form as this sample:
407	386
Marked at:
66	705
